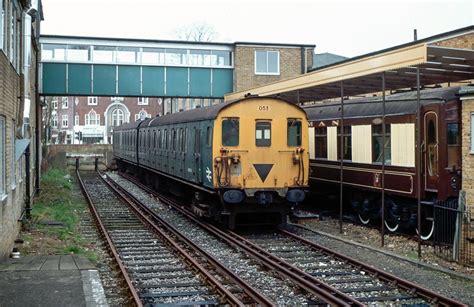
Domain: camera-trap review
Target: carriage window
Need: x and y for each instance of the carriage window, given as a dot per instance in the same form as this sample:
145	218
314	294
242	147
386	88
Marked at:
346	143
230	132
321	142
432	144
377	140
197	140
208	136
294	132
158	142
263	134
454	146
165	139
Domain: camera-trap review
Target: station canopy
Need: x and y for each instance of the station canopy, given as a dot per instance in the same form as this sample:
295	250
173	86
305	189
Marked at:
363	74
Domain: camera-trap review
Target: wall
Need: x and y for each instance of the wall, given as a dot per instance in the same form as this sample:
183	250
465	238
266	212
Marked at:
464	41
62	155
244	65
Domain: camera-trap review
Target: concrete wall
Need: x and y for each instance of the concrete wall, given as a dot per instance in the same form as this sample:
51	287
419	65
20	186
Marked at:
291	65
62	155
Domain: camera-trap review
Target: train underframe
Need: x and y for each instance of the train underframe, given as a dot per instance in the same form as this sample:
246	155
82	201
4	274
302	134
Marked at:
272	211
401	213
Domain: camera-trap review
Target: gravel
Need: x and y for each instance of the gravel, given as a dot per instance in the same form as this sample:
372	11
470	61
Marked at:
450	286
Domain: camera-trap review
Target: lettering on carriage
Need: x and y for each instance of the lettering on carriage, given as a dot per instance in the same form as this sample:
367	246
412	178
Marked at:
264	108
322	124
335	123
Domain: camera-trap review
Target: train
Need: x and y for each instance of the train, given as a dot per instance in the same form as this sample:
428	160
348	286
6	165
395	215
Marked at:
362	142
241	162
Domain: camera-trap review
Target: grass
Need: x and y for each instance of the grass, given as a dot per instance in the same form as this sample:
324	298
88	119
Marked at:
61	202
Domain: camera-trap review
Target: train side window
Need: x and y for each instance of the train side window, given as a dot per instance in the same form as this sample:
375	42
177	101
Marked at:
208	136
321	142
293	132
377	140
158	141
165	139
173	138
454	145
263	134
230	132
346	143
197	141
184	140
432	143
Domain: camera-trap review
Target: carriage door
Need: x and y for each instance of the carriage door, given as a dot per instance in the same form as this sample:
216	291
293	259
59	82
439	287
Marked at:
197	154
431	151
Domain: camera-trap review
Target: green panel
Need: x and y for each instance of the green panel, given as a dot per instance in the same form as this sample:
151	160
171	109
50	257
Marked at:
200	82
54	78
153	81
222	82
129	80
104	80
176	81
79	79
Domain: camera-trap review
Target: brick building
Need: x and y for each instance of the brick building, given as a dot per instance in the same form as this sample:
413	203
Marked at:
20	148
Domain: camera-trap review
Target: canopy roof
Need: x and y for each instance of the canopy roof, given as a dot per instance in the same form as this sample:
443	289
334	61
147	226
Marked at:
362	75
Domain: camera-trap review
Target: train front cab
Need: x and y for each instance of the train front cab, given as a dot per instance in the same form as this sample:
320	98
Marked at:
260	160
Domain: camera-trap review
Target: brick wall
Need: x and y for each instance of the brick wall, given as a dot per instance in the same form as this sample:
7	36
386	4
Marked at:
244	65
11	206
467	247
465	41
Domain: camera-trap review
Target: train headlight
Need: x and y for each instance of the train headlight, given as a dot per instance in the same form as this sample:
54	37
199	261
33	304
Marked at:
236	158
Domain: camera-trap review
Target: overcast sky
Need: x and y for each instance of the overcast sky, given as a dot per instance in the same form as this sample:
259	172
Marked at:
348	28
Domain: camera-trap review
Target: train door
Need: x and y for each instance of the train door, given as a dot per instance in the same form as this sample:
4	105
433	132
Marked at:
431	151
197	154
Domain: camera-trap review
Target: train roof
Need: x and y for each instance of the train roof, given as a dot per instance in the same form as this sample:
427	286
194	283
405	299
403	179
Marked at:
133	125
395	104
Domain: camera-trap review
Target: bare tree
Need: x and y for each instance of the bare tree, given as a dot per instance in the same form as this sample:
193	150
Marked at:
197	32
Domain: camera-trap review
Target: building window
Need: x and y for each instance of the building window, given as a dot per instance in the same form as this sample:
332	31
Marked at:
92	118
176	56
92	101
199	57
377	141
142	115
117	117
294	132
263	134
54	104
472	133
13	167
76	120
230	132
2	18
64	122
346	143
54	120
267	62
2	156
64	102
142	101
321	142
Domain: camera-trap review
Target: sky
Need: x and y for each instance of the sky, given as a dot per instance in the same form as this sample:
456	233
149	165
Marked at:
348	28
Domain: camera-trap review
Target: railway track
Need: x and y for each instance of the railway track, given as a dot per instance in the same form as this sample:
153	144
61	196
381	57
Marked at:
156	266
338	279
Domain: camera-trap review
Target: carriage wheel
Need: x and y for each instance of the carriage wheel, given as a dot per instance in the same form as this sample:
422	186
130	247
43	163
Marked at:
364	218
392	218
427	228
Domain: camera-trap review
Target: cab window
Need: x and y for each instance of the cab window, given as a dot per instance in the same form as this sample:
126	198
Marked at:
230	132
263	134
294	132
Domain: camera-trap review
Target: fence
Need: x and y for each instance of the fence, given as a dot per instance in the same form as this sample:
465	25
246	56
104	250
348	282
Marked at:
453	236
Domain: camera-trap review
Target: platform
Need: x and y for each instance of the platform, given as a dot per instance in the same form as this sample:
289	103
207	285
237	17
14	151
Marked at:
66	280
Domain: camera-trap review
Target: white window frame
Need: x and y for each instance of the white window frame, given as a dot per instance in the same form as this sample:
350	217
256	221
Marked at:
64	121
64	102
118	117
142	101
472	133
54	120
92	100
54	104
76	120
267	73
3	145
2	28
88	121
13	166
